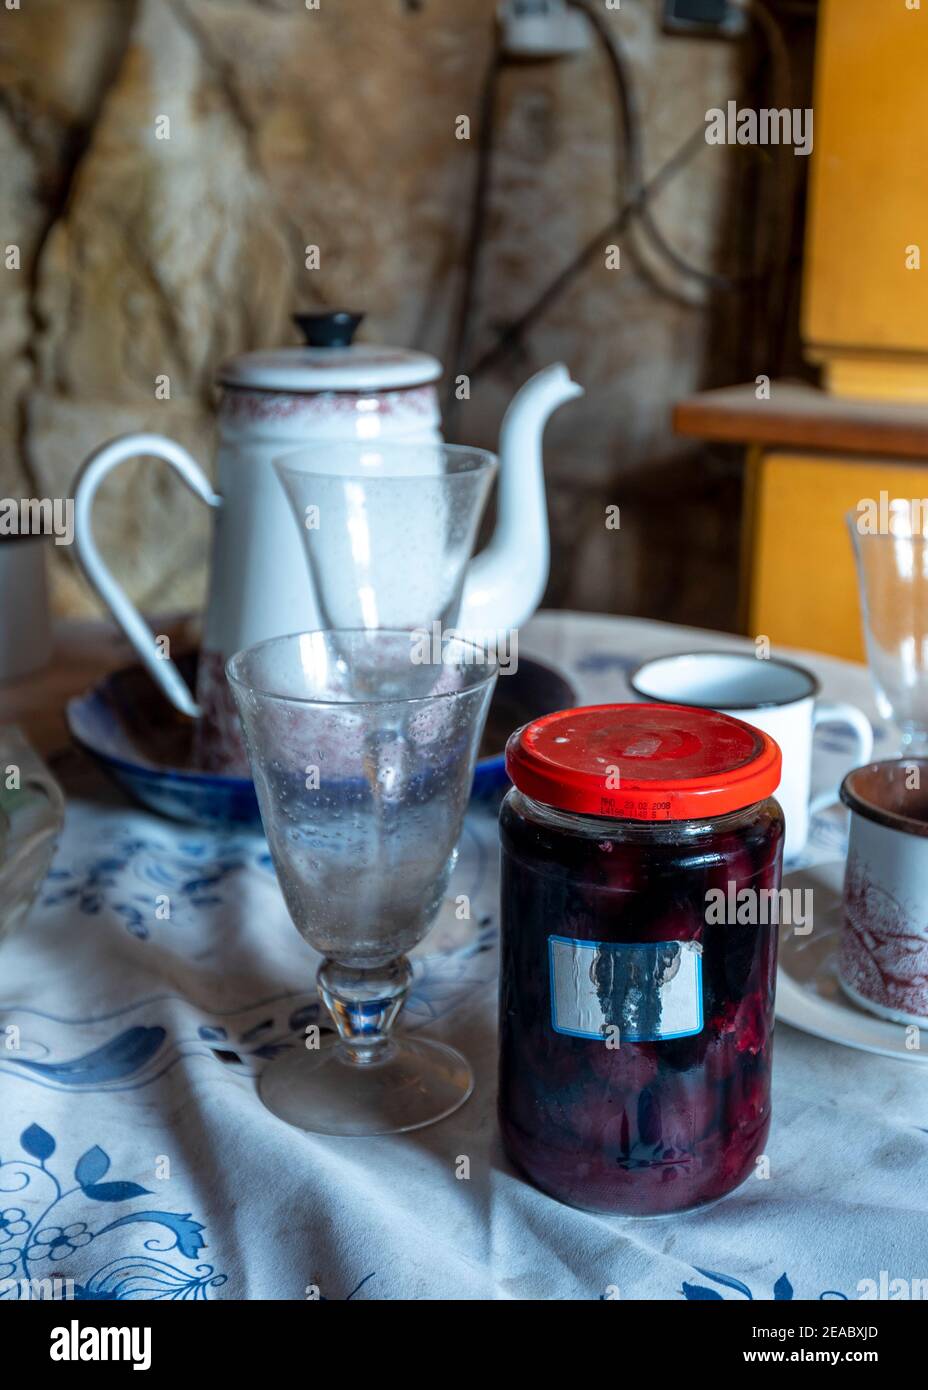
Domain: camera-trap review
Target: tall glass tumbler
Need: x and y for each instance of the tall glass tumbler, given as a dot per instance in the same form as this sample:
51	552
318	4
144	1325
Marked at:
891	551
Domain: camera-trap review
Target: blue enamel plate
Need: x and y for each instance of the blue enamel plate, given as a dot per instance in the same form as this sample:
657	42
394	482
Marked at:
139	740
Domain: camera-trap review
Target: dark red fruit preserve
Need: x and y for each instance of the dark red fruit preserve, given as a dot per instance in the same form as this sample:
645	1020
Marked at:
638	954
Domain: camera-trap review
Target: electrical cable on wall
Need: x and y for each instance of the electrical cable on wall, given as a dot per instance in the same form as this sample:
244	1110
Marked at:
635	204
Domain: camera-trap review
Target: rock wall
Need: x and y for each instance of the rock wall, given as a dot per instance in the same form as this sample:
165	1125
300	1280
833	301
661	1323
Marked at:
143	257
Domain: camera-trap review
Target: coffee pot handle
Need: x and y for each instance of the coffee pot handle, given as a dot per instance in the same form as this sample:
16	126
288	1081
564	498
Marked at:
92	472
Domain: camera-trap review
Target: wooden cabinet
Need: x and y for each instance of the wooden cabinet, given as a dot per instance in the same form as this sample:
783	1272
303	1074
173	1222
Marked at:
811	459
865	304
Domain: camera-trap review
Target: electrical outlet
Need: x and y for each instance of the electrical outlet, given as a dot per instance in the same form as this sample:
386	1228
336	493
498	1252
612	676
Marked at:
709	17
542	29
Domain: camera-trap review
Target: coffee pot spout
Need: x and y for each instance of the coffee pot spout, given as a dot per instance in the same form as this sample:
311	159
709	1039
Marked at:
506	581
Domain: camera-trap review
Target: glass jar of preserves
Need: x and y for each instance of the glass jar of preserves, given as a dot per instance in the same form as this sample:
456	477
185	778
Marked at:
641	861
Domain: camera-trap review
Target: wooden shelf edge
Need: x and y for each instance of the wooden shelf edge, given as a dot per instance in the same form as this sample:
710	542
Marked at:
801	417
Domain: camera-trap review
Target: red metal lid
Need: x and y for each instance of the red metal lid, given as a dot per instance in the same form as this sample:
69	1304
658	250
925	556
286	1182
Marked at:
643	762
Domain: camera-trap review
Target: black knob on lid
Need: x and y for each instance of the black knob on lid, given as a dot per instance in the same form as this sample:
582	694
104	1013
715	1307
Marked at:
336	328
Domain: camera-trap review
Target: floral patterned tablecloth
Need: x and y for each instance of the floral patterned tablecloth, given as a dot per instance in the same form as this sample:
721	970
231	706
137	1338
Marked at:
158	973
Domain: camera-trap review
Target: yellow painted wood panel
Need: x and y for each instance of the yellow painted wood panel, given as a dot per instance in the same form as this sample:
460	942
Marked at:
873	376
802	584
869	190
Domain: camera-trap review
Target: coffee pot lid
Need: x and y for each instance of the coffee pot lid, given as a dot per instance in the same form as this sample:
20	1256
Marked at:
330	361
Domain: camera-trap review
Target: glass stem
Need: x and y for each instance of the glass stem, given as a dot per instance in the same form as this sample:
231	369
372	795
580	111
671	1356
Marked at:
364	1003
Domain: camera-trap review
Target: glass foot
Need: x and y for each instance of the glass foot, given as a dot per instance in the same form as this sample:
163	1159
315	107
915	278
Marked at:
417	1083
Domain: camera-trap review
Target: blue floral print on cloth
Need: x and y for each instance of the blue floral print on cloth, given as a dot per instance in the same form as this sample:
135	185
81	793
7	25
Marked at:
147	1003
782	1289
39	1235
188	873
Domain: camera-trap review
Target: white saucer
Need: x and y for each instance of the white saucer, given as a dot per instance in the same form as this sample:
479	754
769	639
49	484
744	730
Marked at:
808	993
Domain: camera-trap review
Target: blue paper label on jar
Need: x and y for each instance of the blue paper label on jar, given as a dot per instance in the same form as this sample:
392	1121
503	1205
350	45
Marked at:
625	991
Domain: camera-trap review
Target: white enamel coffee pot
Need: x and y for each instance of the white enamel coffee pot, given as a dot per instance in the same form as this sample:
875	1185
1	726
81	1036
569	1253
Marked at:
276	401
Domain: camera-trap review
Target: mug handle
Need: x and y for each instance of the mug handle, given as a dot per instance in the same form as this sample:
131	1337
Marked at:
840	712
93	471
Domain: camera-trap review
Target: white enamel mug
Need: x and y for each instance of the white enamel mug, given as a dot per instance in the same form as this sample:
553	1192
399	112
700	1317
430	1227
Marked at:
776	696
